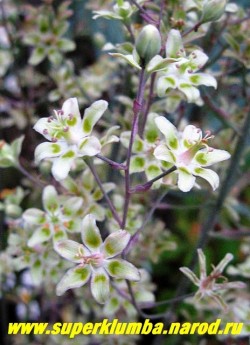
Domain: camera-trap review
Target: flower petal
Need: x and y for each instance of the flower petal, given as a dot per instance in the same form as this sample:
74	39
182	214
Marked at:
34	216
163	153
91	236
203	79
128	58
39	236
119	268
92	115
61	166
137	164
191	136
99	285
211	157
70	108
70	250
72	205
89	146
49	150
165	83
59	235
190	275
73	225
115	243
191	92
158	63
50	199
42	125
198	59
152	171
185	180
74	278
169	130
97	211
174	45
209	175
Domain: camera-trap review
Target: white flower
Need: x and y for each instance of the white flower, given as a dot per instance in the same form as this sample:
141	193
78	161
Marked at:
96	260
189	153
208	285
70	135
181	73
59	216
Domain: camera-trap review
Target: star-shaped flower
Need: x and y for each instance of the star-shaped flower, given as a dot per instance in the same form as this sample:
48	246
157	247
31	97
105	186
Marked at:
70	135
189	153
55	220
96	260
182	73
207	284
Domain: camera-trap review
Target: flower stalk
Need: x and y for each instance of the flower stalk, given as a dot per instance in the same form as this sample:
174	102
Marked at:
138	104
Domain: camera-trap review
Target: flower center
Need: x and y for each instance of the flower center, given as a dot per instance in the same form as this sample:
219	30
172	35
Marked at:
94	259
57	126
187	156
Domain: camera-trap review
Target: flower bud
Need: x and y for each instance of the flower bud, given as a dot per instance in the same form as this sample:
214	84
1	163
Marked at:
148	43
213	10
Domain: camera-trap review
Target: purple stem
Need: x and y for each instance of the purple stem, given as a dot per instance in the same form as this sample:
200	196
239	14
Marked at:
149	102
113	164
99	182
138	102
144	187
152	81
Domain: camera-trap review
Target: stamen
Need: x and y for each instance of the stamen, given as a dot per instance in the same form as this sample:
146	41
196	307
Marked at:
45	131
60	112
54	140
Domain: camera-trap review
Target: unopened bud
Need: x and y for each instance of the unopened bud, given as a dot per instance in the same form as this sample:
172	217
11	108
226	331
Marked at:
148	43
213	10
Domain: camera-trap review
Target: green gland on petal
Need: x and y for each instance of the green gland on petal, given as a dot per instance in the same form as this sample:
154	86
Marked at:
50	199
99	286
119	268
148	43
115	243
91	236
92	115
74	278
39	236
